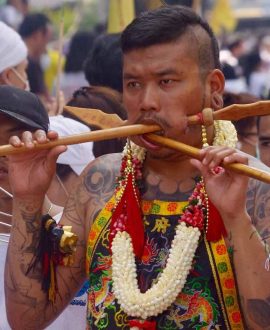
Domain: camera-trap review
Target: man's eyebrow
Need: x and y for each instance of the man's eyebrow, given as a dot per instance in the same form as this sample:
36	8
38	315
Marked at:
167	72
130	76
160	73
264	138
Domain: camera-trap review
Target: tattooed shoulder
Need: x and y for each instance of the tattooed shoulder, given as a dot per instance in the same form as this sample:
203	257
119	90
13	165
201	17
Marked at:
259	312
98	182
99	179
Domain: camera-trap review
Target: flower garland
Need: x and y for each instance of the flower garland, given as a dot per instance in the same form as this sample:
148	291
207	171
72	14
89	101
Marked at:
181	254
225	134
172	280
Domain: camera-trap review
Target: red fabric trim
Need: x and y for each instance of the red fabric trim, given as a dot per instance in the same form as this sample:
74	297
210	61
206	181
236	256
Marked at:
147	325
216	227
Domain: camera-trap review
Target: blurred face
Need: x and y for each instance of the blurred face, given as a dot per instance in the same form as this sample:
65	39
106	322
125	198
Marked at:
42	38
163	85
17	76
264	139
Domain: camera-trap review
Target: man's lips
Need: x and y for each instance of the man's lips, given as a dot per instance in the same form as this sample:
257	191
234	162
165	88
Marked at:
148	143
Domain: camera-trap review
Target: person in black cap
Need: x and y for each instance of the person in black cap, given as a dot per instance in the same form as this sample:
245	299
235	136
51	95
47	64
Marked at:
19	111
24	107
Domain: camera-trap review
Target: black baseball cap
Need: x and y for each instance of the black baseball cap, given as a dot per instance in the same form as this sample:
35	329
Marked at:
23	106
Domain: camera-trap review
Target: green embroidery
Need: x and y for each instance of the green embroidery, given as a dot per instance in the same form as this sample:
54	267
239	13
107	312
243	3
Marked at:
229	301
103	323
89	250
155	208
102	221
222	267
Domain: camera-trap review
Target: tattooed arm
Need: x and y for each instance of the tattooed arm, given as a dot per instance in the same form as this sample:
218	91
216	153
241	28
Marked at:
228	192
249	256
23	293
256	305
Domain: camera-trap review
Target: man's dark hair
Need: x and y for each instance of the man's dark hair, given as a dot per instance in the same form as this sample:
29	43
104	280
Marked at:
33	23
167	24
103	66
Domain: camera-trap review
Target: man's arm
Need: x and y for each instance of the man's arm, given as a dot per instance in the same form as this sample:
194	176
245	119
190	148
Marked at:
255	297
23	292
228	191
30	175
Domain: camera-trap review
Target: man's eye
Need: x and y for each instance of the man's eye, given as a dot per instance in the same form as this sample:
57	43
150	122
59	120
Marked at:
166	81
133	84
265	144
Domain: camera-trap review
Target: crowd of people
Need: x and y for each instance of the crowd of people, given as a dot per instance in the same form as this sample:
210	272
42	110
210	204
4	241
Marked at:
163	241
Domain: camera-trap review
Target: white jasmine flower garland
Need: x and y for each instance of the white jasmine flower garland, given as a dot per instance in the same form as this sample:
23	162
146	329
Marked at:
172	280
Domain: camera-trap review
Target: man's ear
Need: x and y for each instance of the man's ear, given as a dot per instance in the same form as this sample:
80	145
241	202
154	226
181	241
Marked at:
4	77
216	83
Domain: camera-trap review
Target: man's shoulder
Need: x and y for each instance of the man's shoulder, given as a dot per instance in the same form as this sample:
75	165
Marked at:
99	177
94	188
105	163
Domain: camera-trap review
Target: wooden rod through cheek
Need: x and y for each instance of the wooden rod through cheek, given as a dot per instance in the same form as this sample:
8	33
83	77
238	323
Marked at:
132	130
111	133
195	153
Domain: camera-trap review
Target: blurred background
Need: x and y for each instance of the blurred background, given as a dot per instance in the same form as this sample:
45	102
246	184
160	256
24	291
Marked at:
80	40
238	15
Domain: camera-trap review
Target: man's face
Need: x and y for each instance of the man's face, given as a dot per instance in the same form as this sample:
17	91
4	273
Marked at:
264	139
163	85
9	127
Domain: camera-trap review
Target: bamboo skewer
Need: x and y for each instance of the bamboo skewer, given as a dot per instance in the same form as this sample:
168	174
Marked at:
100	119
111	133
206	117
124	131
195	153
232	112
96	117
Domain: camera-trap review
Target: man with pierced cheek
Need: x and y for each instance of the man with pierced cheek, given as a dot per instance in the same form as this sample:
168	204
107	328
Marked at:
166	242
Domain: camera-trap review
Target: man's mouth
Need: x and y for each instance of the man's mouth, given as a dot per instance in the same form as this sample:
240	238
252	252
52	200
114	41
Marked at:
149	144
147	141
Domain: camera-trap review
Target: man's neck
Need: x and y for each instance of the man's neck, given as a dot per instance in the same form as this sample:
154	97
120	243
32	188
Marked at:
177	169
170	181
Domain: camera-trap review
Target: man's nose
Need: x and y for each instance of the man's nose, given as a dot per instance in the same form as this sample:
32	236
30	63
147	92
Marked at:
150	99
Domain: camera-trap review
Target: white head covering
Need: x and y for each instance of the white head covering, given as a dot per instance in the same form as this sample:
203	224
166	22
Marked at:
12	48
77	156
